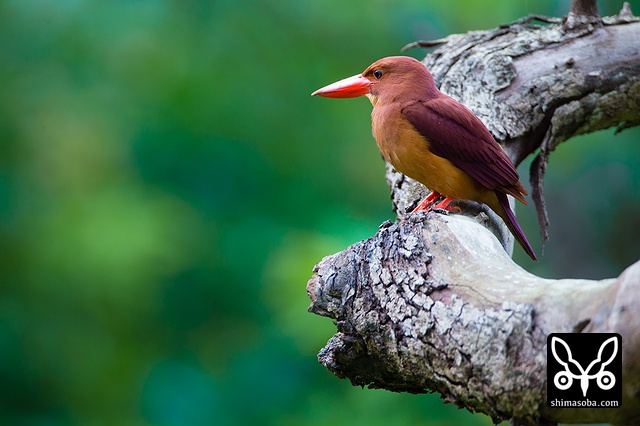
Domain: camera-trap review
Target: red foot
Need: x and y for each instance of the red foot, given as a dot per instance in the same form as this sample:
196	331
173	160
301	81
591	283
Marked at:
425	205
444	205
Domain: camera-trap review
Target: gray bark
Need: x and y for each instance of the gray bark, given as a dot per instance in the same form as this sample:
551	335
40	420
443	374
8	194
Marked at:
433	302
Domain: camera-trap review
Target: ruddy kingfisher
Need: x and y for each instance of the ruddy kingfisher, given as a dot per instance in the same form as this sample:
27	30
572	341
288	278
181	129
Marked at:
434	139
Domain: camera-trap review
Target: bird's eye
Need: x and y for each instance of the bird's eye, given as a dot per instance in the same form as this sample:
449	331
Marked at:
377	74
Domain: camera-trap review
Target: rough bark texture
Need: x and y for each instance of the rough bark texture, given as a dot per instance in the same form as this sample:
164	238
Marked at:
433	303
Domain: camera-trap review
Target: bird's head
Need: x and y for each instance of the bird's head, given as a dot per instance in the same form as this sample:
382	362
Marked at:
392	78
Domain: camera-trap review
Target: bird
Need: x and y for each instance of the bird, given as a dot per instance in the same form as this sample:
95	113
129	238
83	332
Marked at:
435	140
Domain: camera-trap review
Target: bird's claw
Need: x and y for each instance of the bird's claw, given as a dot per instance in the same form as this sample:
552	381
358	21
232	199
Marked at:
441	211
446	210
426	204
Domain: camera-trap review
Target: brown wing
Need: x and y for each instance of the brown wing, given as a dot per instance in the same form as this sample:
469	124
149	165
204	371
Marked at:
456	134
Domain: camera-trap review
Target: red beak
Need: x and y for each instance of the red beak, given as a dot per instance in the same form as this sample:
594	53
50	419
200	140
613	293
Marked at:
351	87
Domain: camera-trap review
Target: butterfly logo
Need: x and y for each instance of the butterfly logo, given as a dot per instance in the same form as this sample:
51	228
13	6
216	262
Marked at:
564	379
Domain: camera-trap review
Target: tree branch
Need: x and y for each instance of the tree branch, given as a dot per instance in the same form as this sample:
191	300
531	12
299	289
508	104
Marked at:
434	303
583	12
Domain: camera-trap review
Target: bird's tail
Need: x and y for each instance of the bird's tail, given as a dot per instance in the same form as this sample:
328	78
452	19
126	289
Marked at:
513	225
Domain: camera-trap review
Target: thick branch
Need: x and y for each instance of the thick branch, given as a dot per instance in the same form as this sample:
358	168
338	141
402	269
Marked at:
433	303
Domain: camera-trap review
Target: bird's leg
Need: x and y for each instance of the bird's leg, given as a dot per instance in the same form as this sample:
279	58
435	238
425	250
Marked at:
427	202
444	205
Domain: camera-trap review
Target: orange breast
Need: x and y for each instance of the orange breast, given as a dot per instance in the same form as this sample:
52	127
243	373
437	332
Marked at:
408	152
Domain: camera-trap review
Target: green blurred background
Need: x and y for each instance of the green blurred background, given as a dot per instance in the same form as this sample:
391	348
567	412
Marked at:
167	184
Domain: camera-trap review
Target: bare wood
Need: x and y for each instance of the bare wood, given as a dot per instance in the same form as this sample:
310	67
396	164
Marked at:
433	303
583	12
584	8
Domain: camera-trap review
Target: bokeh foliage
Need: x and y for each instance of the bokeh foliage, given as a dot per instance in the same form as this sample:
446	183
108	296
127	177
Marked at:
167	184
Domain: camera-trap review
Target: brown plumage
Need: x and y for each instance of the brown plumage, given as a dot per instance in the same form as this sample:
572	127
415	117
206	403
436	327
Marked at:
434	139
